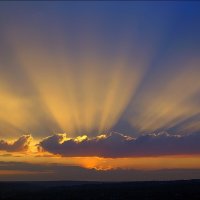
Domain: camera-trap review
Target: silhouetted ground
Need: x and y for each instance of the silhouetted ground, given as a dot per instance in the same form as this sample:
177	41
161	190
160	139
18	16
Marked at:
166	190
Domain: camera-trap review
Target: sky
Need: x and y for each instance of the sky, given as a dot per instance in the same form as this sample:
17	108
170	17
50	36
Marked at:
99	90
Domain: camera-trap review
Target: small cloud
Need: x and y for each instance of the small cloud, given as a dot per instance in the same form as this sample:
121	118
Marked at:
6	155
20	145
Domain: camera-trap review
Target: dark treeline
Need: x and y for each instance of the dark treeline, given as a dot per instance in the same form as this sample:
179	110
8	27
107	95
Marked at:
69	190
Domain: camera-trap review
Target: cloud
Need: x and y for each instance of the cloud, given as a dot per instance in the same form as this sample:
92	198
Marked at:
116	145
19	145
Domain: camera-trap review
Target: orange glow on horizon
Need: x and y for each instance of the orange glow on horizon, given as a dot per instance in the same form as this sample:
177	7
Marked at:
138	163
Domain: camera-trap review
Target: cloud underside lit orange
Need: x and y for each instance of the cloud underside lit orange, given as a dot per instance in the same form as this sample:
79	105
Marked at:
141	163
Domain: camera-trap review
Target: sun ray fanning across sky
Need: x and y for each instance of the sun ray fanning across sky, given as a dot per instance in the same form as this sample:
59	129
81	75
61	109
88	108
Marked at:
98	86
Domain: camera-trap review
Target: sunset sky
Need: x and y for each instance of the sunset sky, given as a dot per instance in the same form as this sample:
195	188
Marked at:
99	90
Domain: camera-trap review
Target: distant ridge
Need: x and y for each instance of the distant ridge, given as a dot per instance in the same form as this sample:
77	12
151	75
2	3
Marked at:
78	190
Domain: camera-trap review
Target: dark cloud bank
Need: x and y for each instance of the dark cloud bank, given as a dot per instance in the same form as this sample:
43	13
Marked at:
114	145
117	145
